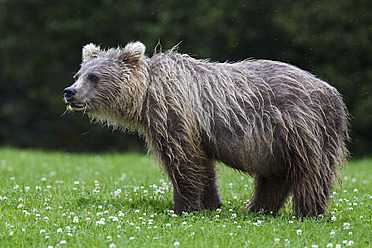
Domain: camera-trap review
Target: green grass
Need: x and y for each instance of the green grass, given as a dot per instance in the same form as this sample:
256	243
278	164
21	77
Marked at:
124	200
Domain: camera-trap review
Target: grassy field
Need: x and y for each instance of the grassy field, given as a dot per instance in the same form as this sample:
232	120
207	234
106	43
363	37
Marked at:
124	200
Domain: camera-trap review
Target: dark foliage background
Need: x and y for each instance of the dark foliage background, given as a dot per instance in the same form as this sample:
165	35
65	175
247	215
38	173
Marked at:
41	41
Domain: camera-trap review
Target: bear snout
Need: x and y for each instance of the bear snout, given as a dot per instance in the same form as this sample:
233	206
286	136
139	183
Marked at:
69	93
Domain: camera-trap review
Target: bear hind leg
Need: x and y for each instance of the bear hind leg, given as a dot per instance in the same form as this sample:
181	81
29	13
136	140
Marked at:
311	195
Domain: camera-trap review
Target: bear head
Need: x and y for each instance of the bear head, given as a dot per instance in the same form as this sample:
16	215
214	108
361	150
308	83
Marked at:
110	84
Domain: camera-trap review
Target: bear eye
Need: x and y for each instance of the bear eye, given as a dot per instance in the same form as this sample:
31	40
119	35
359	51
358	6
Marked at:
94	78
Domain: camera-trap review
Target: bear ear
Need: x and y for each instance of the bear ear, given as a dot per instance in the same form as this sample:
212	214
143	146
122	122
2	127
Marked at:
133	53
90	51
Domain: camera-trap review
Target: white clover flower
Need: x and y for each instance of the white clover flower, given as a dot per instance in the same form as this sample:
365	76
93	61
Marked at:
168	225
131	238
62	242
59	230
176	244
314	246
100	222
276	240
346	226
76	219
113	218
43	179
42	231
350	243
112	245
332	234
11	233
333	218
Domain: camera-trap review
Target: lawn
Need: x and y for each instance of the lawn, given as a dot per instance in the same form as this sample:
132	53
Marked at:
56	199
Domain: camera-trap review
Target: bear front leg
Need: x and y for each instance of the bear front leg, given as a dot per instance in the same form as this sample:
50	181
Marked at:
269	195
187	180
211	196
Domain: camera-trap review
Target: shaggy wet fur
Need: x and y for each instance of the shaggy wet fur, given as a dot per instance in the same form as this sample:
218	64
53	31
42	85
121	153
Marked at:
280	124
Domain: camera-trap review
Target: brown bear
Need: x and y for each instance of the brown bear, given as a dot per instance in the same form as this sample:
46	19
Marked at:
272	120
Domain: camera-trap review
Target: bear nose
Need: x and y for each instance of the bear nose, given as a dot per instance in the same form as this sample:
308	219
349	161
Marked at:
69	93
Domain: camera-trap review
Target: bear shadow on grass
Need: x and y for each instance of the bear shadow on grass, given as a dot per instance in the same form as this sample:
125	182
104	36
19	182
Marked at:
164	206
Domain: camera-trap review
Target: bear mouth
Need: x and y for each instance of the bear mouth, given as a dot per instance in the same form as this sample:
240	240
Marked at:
78	107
